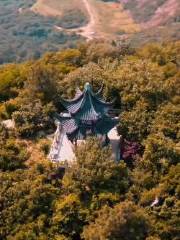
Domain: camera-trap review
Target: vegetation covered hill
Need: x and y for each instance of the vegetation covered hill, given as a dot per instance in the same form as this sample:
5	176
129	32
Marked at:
159	19
96	198
144	11
30	28
26	35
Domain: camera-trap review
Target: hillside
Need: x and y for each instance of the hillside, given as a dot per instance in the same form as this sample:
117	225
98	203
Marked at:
107	19
43	25
114	18
153	13
159	20
26	35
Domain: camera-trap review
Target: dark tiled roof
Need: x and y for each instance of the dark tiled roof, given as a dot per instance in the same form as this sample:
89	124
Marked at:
86	112
86	105
87	109
78	92
104	125
68	123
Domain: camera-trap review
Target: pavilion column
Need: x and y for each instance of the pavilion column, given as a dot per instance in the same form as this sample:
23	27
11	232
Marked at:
106	139
75	143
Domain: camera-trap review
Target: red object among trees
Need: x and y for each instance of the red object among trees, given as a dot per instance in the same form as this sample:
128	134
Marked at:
130	150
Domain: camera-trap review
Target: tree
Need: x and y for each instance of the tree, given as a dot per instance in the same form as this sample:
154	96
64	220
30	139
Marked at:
91	182
96	171
26	199
69	217
11	80
13	154
125	221
166	213
33	117
94	197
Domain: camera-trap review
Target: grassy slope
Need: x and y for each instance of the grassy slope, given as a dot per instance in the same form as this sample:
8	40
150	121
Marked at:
144	10
159	20
113	19
58	8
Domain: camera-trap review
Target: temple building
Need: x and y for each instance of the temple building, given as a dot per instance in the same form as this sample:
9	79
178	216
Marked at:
85	115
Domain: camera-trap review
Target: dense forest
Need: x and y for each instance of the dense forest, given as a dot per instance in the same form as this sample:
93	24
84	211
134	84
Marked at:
96	198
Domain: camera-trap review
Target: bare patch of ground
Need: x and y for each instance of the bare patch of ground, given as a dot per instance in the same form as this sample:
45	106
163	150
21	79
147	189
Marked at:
112	19
55	8
42	7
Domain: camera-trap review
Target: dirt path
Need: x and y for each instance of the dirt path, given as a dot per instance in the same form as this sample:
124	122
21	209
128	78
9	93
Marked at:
88	31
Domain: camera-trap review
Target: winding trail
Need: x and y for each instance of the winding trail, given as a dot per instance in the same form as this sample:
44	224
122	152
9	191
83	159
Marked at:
88	31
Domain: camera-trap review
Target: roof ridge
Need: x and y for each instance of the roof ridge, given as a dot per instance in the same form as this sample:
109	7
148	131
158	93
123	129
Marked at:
100	100
93	105
75	99
86	91
99	92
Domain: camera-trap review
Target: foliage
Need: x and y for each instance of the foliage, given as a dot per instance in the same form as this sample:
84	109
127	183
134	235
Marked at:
10	81
32	118
96	170
26	202
143	12
12	153
94	198
27	35
93	181
125	221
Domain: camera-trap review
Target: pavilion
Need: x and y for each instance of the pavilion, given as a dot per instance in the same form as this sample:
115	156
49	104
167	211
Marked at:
85	115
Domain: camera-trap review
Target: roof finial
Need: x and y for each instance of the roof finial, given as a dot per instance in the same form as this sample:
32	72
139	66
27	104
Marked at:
87	86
